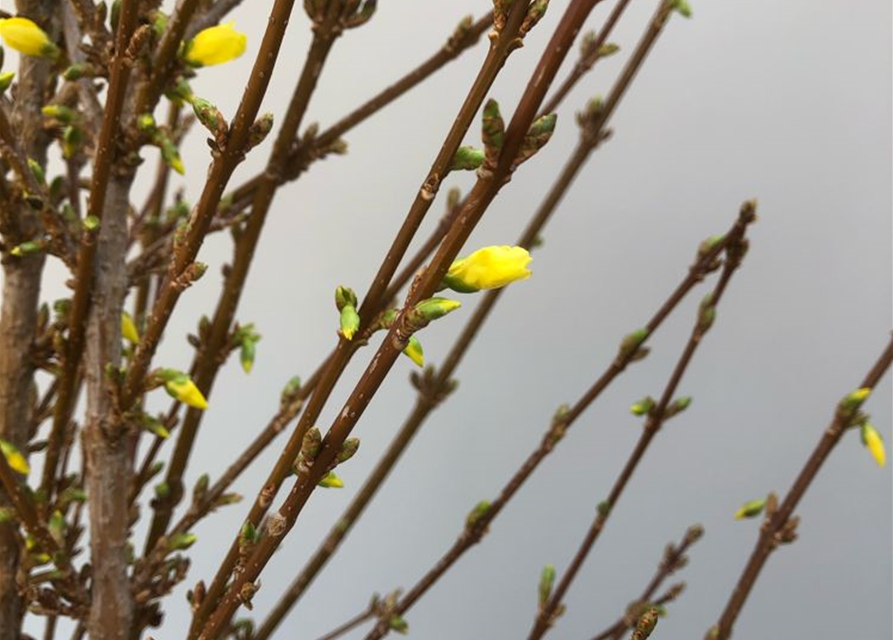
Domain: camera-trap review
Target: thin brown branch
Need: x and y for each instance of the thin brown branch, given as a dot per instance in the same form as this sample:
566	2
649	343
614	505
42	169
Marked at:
589	58
208	360
781	518
432	391
734	247
350	625
225	162
463	38
482	195
474	532
594	129
673	560
500	48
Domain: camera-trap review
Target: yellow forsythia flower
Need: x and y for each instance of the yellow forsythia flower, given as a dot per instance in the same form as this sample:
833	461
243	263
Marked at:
14	458
874	443
181	387
128	328
216	45
26	37
488	268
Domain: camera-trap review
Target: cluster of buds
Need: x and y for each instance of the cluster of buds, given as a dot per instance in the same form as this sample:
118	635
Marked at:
349	319
310	448
160	137
631	346
353	13
782	533
493	138
245	338
850	415
645	624
647	406
429	385
591	51
69	122
385	609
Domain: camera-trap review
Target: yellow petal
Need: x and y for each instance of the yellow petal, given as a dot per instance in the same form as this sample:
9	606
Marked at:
14	458
489	268
216	45
26	37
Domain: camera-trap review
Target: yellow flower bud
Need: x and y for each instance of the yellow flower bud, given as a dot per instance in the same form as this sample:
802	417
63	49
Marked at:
331	481
14	458
215	45
874	443
488	268
26	37
128	328
414	351
181	387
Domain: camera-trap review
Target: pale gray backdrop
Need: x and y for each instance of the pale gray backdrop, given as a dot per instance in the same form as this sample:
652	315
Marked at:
787	102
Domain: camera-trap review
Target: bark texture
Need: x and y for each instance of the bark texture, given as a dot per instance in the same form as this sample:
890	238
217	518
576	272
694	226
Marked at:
105	438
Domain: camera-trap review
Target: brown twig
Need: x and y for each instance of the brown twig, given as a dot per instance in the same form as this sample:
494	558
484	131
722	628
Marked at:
673	560
735	246
350	625
207	363
588	59
776	521
592	134
482	195
225	162
476	530
462	39
501	46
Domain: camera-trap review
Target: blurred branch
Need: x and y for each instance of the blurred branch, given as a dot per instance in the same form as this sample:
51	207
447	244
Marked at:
673	560
779	526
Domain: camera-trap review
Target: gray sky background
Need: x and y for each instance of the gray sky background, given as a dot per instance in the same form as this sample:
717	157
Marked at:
786	102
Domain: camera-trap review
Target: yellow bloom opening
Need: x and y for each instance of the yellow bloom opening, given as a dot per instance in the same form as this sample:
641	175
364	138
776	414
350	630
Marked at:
26	37
14	458
216	45
874	443
488	268
183	389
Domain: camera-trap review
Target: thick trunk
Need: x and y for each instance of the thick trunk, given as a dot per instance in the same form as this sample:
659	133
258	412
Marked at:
18	310
105	438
